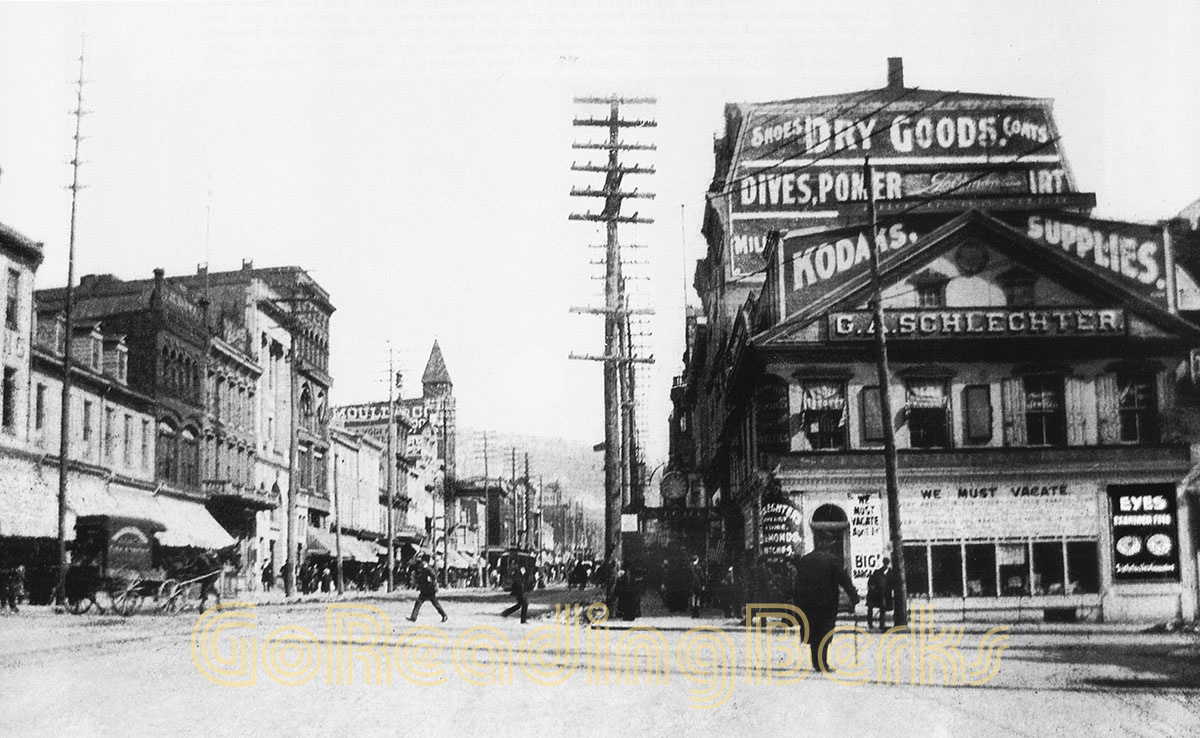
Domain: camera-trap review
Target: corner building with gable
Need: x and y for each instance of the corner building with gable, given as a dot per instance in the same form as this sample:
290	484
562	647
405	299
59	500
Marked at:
1042	395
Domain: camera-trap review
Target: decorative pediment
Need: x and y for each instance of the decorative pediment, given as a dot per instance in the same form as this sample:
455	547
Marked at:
996	279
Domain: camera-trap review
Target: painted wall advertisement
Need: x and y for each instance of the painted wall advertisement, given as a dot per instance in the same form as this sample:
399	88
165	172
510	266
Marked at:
1144	533
815	264
1132	254
801	161
781	529
1032	508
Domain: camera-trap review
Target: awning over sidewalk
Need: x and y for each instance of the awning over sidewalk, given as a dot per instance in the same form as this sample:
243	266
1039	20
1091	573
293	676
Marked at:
188	524
324	543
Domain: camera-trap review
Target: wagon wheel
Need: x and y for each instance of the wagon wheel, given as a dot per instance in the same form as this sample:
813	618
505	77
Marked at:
125	596
79	605
170	597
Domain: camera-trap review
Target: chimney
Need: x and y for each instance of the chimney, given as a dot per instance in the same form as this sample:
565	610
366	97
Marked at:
895	72
202	269
247	265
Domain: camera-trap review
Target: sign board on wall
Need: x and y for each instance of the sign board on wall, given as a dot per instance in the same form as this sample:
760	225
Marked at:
1133	254
801	161
781	529
989	509
1144	532
814	264
866	536
916	324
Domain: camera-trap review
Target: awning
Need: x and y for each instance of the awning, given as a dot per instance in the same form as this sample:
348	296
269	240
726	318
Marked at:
321	542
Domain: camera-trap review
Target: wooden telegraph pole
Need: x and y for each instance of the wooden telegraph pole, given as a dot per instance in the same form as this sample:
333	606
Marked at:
64	447
615	310
891	465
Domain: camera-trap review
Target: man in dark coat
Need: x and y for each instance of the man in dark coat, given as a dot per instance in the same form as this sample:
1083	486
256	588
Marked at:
819	574
518	591
880	587
696	586
426	584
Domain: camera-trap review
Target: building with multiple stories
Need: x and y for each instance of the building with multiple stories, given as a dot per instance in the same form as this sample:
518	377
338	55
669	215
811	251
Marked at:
1038	358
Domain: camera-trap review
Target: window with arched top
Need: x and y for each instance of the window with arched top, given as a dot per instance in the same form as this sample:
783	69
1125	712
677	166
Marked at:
167	452
189	457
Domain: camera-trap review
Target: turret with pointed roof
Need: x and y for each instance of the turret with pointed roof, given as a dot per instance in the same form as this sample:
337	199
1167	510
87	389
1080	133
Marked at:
436	379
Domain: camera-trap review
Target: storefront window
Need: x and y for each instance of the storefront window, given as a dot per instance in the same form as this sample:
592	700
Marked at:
1137	407
946	560
1045	412
916	570
927	409
1083	567
1048	568
981	569
1013	560
824	415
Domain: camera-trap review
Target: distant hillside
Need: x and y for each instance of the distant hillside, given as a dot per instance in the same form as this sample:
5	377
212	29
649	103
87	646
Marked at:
574	464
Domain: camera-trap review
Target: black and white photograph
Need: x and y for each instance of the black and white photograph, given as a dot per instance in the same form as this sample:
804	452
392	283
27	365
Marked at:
552	368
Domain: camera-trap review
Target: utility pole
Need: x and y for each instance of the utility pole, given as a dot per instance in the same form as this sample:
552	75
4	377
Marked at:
527	508
890	461
516	539
393	382
64	441
615	310
487	501
447	492
337	526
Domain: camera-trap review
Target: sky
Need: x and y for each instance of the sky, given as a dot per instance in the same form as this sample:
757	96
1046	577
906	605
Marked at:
415	157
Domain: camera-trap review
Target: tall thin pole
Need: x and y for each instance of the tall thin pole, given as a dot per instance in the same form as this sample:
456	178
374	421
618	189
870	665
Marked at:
337	525
613	299
516	541
891	466
487	501
391	477
447	493
293	553
64	439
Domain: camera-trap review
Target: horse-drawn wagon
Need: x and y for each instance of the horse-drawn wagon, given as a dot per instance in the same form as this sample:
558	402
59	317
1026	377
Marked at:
118	560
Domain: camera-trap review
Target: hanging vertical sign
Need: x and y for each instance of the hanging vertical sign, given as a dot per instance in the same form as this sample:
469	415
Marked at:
781	525
1144	532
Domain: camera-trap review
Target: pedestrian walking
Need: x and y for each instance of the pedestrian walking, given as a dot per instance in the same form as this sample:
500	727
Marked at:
819	574
727	592
518	591
880	588
626	595
268	577
426	584
12	583
696	586
209	566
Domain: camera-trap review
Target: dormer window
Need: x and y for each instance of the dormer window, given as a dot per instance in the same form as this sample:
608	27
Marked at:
930	287
932	296
1018	287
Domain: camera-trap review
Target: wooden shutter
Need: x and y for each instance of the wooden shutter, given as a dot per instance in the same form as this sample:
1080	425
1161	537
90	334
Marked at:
977	413
1168	426
872	414
1106	408
1012	393
1076	398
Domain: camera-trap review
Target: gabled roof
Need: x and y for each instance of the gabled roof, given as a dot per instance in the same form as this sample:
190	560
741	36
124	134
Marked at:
11	239
435	368
995	234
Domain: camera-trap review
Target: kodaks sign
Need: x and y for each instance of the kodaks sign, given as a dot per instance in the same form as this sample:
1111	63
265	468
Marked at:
829	259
